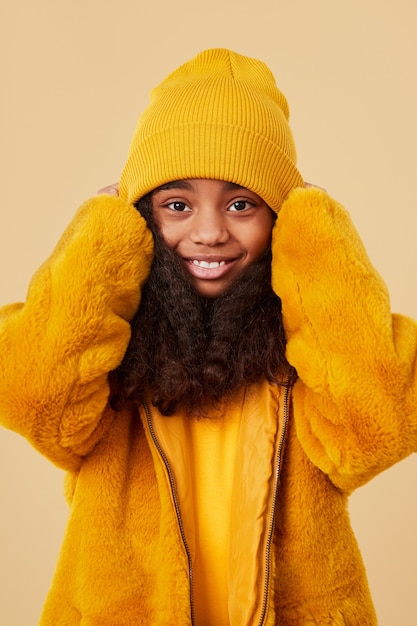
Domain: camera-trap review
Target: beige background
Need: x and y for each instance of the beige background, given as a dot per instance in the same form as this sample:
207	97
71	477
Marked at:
75	75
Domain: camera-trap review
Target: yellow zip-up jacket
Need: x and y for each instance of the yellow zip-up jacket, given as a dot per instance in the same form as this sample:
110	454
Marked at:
126	557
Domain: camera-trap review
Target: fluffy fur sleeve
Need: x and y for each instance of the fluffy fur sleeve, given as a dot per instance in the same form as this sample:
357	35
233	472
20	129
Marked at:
355	403
57	349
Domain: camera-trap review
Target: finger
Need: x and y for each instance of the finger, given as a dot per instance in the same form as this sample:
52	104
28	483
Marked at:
110	190
309	185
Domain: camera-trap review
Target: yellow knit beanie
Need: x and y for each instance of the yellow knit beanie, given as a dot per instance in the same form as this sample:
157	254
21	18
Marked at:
219	116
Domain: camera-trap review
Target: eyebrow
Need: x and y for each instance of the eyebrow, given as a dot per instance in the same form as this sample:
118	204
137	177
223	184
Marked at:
231	186
174	184
184	184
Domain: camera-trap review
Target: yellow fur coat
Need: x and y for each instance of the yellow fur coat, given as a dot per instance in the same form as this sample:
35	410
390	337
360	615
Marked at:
352	414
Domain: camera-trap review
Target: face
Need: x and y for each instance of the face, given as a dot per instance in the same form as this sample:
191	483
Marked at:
217	228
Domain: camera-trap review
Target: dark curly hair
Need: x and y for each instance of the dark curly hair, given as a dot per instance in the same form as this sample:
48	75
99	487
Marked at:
193	352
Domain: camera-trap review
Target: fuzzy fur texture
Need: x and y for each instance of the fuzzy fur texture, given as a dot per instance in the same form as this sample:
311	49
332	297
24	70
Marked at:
353	415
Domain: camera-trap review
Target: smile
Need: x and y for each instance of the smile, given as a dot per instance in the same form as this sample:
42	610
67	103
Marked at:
207	265
206	269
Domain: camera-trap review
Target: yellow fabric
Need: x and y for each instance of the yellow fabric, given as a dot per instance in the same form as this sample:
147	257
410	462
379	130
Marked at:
219	116
225	486
213	450
354	413
354	378
208	451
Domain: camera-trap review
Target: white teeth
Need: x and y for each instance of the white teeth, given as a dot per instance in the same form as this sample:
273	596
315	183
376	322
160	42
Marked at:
208	265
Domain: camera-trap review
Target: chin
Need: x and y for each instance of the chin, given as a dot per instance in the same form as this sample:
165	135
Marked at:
210	291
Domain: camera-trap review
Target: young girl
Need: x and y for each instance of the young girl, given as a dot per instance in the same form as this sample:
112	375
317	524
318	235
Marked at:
212	358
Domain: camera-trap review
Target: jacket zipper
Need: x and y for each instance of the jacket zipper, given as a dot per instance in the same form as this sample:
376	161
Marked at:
273	512
274	505
176	503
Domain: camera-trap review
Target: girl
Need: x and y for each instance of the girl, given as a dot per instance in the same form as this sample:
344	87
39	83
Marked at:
212	358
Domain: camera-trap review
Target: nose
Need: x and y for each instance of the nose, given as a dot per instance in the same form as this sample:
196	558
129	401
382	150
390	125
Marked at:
209	227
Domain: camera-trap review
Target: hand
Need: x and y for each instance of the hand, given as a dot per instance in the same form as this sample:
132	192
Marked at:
311	185
110	190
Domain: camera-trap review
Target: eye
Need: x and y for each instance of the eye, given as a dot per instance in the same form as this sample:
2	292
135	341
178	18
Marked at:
178	206
240	205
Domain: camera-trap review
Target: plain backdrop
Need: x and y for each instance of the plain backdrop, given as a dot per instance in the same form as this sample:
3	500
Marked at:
75	75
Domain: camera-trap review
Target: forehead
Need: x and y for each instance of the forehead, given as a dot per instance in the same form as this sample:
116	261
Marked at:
188	185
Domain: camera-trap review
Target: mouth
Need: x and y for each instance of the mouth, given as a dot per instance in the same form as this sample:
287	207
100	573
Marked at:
208	264
209	269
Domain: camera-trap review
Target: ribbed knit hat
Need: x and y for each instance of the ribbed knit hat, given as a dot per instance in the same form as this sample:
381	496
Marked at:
218	116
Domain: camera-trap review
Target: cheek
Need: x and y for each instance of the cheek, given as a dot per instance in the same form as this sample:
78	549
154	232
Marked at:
260	236
260	244
166	228
169	233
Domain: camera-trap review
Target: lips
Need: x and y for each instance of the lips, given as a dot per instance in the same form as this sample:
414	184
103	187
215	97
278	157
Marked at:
208	264
209	268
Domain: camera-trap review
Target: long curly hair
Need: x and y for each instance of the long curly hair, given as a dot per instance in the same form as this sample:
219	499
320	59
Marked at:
193	352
